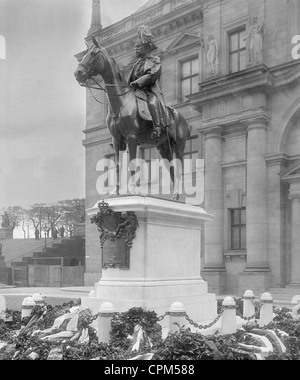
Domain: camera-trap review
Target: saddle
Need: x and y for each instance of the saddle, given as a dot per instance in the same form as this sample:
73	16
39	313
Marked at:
142	106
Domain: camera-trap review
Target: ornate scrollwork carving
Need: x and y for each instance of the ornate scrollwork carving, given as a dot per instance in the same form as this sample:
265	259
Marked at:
115	226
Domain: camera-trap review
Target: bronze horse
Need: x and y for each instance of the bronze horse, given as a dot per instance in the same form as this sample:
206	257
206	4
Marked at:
124	122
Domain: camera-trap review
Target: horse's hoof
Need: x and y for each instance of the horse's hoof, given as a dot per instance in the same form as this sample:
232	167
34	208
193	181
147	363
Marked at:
175	197
132	190
114	193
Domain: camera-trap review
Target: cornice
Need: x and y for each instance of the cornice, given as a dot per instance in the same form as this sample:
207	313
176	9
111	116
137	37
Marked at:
230	165
256	78
277	159
258	122
123	35
259	79
291	171
286	74
240	119
212	133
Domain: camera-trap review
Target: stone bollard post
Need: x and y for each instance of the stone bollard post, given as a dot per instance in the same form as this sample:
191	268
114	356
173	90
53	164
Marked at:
249	308
266	311
295	310
177	316
106	314
228	325
27	306
38	299
2	308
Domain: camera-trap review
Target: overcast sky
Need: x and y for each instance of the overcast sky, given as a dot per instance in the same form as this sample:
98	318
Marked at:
42	108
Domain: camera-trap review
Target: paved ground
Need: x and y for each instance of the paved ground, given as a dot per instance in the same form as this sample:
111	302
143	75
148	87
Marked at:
53	296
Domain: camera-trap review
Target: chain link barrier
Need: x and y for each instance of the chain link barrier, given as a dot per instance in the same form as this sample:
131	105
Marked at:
204	327
159	319
201	327
256	315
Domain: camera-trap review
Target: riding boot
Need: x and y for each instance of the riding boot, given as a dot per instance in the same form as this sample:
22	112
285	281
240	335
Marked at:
157	132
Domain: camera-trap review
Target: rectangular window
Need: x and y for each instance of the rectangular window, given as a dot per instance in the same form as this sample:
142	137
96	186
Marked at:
110	170
238	229
189	78
191	151
237	51
148	155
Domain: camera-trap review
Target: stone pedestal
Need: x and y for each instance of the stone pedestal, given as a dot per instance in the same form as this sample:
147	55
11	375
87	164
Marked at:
164	261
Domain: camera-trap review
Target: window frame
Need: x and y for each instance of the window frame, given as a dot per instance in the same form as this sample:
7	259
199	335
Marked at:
238	31
240	226
182	98
111	156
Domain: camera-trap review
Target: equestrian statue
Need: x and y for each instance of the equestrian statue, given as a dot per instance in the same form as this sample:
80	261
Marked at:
137	115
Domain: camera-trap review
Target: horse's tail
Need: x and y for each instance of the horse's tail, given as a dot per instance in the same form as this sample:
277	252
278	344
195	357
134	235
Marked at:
179	119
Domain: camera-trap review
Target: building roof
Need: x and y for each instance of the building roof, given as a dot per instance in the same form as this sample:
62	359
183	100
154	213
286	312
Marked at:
149	4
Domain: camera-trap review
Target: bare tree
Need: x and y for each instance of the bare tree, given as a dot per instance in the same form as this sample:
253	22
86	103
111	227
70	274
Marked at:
75	208
53	214
36	216
74	213
23	220
12	217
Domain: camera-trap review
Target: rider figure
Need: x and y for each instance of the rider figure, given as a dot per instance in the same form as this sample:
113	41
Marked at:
145	76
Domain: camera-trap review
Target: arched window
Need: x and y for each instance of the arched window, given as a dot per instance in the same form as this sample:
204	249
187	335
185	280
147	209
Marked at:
2	48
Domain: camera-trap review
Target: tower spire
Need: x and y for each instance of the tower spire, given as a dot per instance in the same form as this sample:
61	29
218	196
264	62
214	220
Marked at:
96	18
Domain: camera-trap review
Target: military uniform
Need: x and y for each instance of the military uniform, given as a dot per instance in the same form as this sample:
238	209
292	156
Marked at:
145	76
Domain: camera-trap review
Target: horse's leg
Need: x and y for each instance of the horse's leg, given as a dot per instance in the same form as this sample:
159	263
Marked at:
179	151
178	171
132	148
166	154
116	190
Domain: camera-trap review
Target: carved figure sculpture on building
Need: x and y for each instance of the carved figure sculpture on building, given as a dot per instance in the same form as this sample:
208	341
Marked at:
212	55
255	37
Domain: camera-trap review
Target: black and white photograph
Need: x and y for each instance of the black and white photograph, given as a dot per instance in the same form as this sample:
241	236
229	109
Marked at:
150	182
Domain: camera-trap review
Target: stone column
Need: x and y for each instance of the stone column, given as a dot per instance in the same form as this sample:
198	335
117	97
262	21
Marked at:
295	278
257	274
213	268
257	224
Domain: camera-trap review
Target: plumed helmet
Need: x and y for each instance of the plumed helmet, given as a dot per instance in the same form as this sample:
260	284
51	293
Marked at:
145	38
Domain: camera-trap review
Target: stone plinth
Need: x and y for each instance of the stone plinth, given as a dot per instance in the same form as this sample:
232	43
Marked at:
6	233
164	261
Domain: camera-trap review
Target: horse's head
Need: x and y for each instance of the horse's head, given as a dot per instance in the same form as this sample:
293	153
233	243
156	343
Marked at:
93	62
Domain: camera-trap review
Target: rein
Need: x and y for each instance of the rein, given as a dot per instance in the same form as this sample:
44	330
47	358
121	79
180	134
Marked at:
103	89
91	69
111	85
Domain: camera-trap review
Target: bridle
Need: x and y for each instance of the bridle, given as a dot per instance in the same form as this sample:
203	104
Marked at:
89	73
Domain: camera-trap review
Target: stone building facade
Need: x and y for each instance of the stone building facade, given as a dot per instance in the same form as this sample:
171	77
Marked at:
228	68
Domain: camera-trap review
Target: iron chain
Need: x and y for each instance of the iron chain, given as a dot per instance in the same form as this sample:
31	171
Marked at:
163	316
204	327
